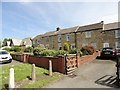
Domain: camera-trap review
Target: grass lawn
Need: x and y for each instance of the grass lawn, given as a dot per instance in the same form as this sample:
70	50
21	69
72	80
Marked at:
43	82
22	71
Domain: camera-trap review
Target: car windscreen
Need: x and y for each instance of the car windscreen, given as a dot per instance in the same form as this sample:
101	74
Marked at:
107	49
3	52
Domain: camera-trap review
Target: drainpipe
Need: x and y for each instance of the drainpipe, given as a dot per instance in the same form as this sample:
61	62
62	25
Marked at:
75	33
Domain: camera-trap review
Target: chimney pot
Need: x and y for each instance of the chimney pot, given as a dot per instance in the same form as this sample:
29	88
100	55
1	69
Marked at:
57	29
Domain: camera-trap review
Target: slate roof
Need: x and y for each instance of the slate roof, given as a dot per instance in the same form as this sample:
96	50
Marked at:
112	26
61	31
90	27
68	30
49	33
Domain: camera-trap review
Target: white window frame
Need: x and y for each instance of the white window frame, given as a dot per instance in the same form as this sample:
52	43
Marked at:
67	37
72	46
88	34
117	45
59	38
84	44
117	34
46	39
94	44
105	45
59	45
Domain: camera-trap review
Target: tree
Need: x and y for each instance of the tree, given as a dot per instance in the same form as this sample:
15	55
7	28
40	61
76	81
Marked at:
5	42
66	47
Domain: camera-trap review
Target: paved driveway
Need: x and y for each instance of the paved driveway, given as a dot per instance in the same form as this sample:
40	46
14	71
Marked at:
14	62
96	74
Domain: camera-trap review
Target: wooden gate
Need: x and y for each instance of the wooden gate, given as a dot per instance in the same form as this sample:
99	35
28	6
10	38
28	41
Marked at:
70	63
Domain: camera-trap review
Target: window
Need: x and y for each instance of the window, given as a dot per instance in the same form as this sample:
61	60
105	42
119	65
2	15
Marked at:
84	44
117	33
73	46
88	34
59	38
117	44
67	37
93	44
59	46
46	39
105	45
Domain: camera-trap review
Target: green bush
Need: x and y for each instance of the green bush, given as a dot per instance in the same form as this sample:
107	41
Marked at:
66	47
87	50
7	49
49	53
73	51
84	52
29	49
38	50
15	49
61	52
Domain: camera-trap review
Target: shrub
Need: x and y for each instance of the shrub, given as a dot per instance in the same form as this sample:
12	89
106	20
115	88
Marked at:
88	50
49	53
7	49
73	51
38	50
61	52
29	49
15	49
84	52
66	47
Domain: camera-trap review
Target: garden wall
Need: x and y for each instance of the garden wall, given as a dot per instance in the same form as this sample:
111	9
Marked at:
58	63
17	57
88	58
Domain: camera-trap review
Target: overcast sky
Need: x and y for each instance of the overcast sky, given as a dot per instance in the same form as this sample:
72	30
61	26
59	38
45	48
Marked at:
28	19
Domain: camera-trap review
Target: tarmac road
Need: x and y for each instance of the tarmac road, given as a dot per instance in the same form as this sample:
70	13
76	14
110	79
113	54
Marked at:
14	62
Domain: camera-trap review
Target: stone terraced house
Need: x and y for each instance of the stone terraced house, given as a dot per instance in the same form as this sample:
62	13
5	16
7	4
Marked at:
98	35
111	35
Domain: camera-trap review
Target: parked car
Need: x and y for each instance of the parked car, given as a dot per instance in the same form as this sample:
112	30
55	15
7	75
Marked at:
5	56
108	52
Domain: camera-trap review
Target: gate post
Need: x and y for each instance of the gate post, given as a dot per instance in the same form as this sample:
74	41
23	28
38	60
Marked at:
118	71
65	63
78	60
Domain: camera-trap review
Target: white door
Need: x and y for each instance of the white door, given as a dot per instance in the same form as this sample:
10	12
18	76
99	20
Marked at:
105	45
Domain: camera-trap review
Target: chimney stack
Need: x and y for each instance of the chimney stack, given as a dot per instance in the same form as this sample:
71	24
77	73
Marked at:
57	29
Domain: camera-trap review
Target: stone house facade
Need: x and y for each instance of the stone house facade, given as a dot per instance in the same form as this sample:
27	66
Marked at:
111	35
98	35
90	35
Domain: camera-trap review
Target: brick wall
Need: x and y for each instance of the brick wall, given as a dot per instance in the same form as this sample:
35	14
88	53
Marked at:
58	63
88	58
17	57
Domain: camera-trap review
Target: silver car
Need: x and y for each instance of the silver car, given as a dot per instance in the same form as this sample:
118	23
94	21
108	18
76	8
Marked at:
5	56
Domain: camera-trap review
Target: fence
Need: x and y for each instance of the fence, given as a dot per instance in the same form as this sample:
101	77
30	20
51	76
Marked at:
63	64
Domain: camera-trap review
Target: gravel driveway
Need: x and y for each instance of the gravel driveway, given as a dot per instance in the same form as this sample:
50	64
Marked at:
96	74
